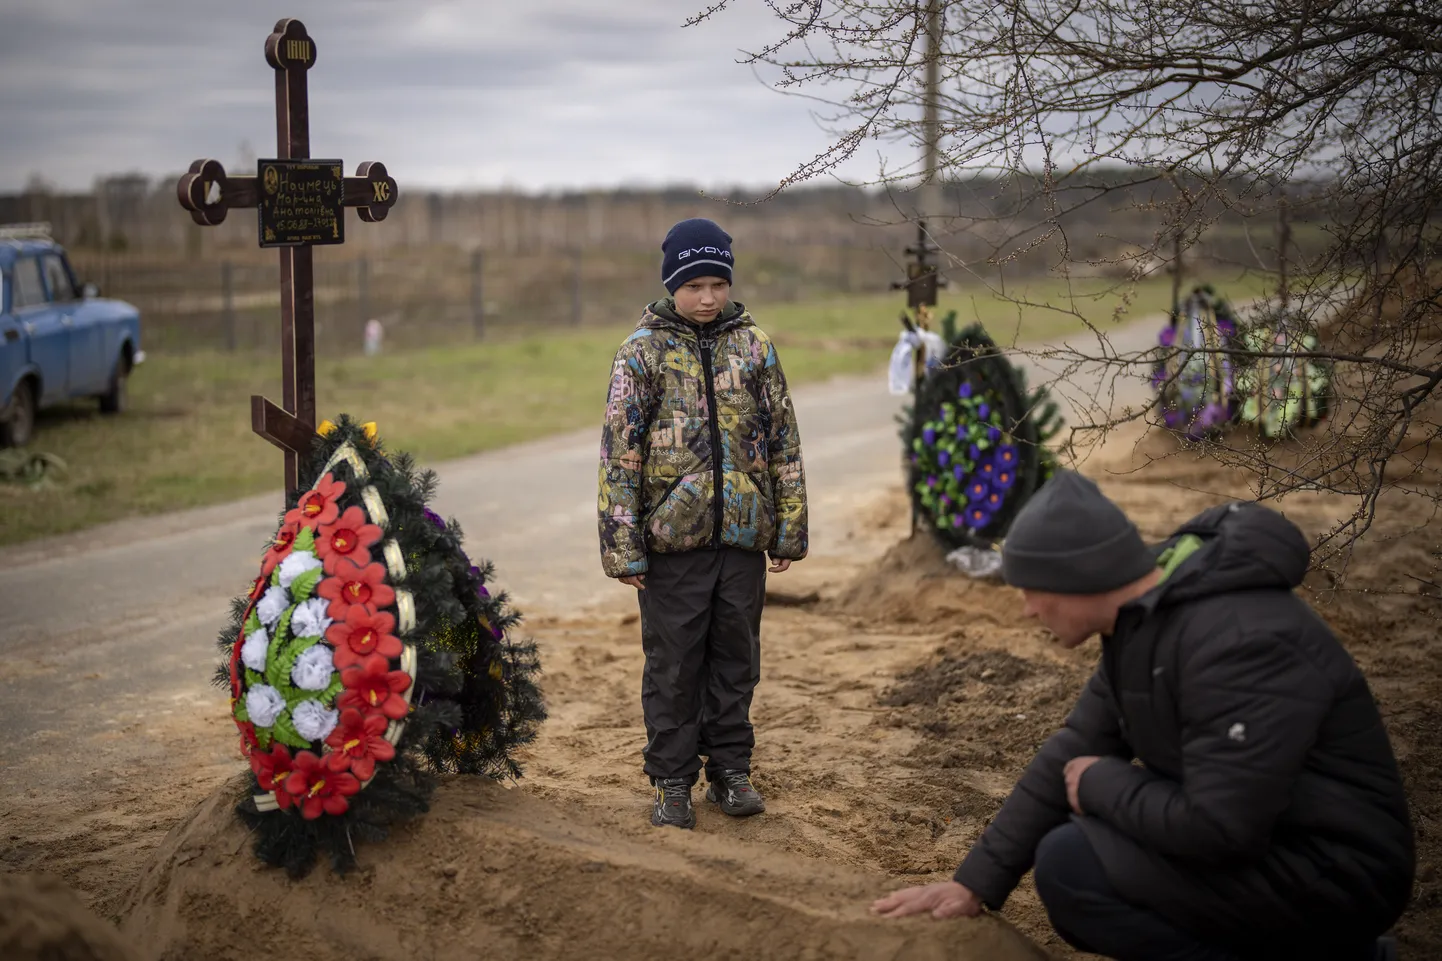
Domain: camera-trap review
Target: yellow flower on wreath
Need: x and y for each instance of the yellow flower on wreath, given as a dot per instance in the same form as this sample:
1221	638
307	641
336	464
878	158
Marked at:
369	428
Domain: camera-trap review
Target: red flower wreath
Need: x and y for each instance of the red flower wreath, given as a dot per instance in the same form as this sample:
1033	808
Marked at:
354	586
357	743
317	506
372	688
362	634
316	789
349	537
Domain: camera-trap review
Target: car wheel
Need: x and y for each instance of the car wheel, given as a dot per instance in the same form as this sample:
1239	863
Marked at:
17	431
113	400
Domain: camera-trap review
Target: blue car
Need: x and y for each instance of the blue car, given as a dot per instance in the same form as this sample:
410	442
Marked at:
58	340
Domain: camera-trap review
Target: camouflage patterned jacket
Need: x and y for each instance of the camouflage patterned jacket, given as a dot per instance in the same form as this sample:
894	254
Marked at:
681	392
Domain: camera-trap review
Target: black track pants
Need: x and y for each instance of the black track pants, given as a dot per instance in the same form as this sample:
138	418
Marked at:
701	633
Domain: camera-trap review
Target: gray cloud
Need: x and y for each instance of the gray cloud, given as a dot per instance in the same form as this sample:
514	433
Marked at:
478	93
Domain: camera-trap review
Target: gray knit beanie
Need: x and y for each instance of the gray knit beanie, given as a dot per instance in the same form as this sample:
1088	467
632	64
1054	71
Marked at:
1070	539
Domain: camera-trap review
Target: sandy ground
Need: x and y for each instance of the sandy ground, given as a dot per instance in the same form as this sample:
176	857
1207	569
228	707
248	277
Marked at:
899	701
898	708
499	873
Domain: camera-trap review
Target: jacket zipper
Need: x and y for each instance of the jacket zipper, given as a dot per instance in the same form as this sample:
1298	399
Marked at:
707	344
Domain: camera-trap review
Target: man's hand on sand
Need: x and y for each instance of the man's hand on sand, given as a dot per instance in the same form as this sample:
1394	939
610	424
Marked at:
779	565
946	899
638	581
1073	772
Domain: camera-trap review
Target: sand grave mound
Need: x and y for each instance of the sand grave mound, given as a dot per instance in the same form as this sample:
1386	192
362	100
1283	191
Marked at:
41	919
913	586
499	873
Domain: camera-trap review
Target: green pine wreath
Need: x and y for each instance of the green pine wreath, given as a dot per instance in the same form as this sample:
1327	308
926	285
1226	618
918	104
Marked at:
975	438
368	657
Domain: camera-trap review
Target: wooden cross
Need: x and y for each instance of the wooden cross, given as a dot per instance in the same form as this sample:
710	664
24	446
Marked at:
301	204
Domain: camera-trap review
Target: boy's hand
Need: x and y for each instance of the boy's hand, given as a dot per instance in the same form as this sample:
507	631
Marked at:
638	581
779	566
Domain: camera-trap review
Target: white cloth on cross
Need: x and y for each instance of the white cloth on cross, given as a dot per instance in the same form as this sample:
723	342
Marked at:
899	373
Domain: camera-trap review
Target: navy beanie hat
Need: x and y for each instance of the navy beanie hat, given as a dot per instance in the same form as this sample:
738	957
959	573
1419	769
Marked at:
695	248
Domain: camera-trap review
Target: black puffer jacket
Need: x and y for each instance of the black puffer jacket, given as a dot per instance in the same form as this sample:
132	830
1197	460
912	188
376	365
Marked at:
1267	813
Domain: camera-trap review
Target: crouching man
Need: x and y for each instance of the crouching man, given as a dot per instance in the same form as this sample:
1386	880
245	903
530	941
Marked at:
1265	818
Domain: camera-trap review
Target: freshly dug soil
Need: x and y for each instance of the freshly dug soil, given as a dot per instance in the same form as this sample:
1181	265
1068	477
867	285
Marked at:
497	873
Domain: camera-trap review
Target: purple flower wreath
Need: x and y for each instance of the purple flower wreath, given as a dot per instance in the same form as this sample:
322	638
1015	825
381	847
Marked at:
967	461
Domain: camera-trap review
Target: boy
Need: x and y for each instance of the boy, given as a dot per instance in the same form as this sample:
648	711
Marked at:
700	478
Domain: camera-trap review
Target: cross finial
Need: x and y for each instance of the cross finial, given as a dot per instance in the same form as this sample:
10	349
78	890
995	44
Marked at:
289	47
205	192
380	192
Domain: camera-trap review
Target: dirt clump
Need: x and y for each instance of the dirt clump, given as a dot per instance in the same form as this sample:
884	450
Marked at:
41	919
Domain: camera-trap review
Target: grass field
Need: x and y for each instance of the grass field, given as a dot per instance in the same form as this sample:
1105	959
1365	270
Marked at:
186	440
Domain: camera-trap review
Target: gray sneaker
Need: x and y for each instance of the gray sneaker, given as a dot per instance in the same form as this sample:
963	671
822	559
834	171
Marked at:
734	792
673	803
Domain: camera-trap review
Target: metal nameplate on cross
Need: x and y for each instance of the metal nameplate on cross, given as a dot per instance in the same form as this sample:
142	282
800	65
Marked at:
300	202
922	279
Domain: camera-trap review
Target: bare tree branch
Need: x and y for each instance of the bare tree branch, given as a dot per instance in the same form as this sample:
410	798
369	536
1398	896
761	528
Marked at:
1083	139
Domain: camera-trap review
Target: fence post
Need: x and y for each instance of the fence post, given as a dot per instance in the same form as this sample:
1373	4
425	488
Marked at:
227	303
478	302
363	291
576	305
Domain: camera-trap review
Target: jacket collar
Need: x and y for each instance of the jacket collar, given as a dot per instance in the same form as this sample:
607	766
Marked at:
662	315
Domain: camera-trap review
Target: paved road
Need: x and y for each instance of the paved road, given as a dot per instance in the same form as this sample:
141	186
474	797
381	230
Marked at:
122	618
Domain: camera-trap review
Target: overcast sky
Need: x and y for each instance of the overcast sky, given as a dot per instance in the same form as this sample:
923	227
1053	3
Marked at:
531	94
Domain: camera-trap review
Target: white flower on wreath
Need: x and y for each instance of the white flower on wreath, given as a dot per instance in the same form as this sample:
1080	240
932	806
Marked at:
252	652
313	669
295	564
310	618
312	721
272	605
263	703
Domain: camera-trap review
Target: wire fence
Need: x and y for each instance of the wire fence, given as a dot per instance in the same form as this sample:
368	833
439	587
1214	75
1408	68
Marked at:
445	294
